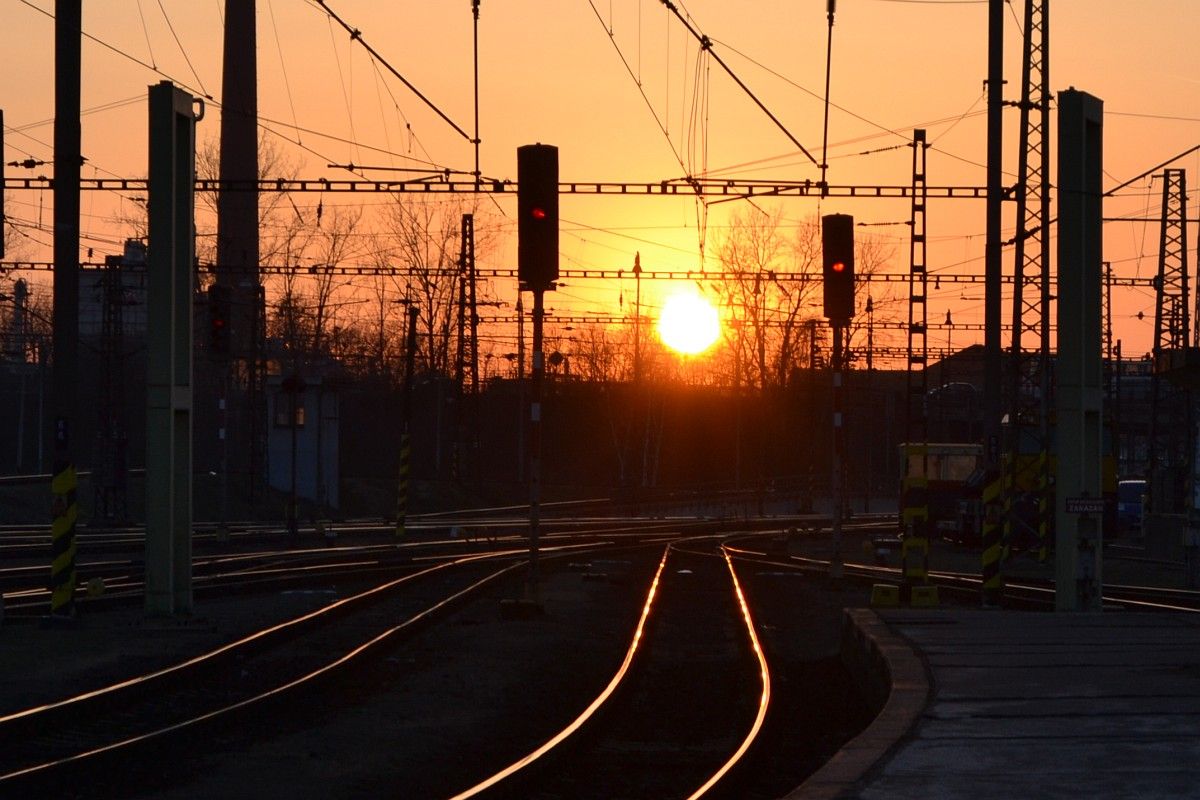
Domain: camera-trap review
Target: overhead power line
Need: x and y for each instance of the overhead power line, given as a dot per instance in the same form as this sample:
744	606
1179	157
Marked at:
707	43
124	54
356	35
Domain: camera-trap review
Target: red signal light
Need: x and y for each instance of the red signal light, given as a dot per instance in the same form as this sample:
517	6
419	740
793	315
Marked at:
837	257
537	225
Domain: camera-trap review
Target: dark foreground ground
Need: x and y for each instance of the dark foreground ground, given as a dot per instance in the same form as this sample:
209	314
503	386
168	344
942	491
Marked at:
444	708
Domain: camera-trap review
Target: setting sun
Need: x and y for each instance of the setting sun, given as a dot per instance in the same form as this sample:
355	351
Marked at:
688	323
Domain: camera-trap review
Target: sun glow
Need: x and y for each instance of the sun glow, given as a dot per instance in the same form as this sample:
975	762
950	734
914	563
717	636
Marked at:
689	324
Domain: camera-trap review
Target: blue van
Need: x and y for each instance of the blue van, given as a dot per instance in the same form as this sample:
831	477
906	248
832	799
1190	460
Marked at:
1129	504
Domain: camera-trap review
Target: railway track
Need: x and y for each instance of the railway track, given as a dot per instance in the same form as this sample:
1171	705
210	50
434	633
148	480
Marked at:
700	676
267	555
965	587
271	560
115	730
682	711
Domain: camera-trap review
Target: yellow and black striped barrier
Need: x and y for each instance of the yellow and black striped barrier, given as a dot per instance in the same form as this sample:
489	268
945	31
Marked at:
991	534
402	485
914	516
914	555
914	550
62	541
1044	507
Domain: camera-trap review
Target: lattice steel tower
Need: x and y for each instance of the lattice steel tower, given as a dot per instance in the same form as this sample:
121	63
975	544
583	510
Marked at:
110	467
1029	400
915	423
1170	418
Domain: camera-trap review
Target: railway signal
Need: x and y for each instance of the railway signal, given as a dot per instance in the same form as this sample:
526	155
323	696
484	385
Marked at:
537	216
219	302
837	247
837	251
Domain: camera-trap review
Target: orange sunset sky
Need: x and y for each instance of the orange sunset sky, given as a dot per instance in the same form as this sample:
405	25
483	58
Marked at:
553	71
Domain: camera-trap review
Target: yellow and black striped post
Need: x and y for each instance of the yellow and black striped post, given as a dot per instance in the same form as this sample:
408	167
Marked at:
914	553
991	534
402	485
62	541
914	516
1008	516
410	360
1045	507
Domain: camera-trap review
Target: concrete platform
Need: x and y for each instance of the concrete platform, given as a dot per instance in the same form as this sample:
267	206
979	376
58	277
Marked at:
1029	705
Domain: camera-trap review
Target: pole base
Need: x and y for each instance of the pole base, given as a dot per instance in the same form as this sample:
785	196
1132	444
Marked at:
60	621
520	608
837	571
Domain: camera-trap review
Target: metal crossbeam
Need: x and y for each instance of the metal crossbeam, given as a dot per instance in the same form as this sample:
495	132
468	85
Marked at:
582	274
670	188
616	319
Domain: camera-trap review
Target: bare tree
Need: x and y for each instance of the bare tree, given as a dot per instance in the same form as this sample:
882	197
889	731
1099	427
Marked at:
871	255
17	243
279	218
333	245
424	245
601	353
770	294
382	329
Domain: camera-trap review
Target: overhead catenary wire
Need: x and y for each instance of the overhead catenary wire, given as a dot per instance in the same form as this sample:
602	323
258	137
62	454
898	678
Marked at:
146	31
124	54
356	35
882	128
346	93
182	50
707	43
641	89
287	83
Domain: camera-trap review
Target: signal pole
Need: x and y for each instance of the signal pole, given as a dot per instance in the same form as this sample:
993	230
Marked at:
537	263
835	560
535	441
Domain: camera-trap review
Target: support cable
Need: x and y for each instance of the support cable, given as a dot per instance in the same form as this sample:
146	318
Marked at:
178	43
356	35
124	54
706	44
641	90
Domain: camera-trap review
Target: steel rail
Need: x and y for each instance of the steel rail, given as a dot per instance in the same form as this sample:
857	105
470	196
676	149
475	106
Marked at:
1023	590
122	588
34	714
622	673
577	723
246	702
764	696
